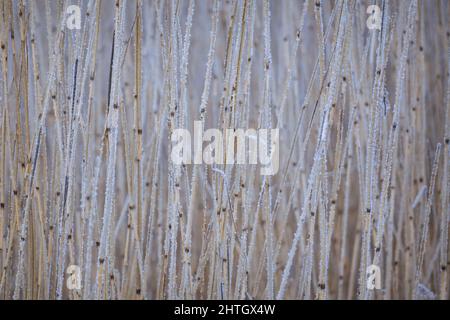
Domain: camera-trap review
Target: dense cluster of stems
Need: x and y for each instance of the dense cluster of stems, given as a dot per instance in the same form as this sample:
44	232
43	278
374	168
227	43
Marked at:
87	182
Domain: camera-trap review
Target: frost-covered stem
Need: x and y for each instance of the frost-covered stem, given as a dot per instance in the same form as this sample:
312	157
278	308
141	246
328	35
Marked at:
425	223
113	125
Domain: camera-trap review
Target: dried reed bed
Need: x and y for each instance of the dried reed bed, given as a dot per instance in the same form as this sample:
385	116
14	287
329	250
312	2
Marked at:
85	171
